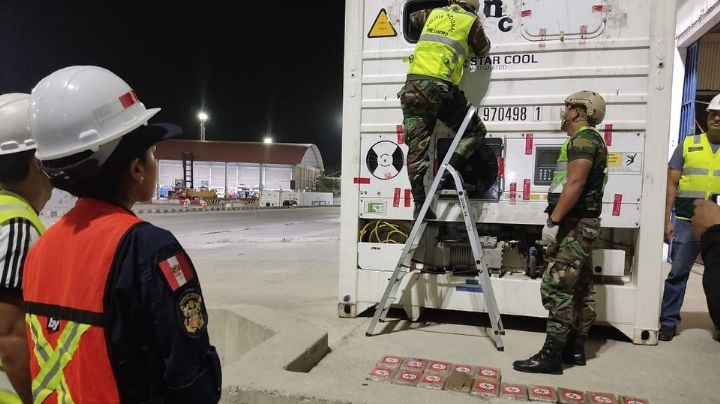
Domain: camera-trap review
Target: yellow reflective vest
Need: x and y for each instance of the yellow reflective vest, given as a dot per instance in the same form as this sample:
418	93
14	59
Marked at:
14	206
590	202
700	177
443	45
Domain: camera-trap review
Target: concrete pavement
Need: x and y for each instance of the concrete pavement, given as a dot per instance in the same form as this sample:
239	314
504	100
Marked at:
288	267
270	278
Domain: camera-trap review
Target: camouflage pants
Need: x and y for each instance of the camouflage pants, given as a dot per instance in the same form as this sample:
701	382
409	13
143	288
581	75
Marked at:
425	101
567	284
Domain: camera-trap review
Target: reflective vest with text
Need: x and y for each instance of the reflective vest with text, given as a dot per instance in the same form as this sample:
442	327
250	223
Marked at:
443	45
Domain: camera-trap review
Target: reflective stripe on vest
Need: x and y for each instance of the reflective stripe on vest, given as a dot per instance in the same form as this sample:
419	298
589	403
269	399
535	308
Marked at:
700	176
64	284
14	206
443	45
52	361
561	168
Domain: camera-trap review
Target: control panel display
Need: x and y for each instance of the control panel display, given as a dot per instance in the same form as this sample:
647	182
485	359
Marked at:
545	161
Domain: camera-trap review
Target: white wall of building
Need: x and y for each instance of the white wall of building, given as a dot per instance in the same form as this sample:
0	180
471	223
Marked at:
220	175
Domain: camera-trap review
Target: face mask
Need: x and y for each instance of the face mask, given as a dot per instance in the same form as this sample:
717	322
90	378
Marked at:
563	117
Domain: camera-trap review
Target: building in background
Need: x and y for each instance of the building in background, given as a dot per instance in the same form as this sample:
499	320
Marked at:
230	168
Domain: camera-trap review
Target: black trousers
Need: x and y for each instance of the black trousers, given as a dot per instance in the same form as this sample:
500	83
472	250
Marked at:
710	247
711	285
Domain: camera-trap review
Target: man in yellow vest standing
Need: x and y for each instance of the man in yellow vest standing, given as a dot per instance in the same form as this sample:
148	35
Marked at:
449	35
24	190
572	230
693	173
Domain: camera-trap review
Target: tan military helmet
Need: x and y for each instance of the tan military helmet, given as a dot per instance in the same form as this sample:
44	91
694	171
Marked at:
475	4
593	103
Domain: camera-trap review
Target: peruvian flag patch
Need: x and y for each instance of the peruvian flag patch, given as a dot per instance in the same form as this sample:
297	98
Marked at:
177	270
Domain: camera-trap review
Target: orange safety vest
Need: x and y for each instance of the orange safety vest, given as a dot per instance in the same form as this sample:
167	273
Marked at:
64	283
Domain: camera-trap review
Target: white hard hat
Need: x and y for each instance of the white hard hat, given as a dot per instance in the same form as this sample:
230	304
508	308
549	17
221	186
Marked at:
14	126
714	104
81	108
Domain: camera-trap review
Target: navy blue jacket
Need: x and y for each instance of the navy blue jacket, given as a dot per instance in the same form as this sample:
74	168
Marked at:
156	330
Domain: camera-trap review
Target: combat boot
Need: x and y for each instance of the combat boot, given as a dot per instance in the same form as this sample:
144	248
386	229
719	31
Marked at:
574	351
545	361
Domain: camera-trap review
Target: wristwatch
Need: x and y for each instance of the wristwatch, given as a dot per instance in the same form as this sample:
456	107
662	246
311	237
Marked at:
551	223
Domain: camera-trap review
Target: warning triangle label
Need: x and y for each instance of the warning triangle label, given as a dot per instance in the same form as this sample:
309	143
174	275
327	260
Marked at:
382	27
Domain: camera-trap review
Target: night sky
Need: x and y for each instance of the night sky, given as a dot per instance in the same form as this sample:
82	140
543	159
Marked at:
258	67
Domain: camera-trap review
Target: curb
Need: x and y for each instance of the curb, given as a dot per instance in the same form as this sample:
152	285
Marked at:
59	213
219	208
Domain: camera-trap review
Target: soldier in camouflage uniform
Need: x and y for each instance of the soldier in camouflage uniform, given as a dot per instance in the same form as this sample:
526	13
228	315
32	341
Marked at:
431	90
571	232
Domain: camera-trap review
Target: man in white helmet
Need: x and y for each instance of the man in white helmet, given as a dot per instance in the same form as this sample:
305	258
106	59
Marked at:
691	176
119	296
572	230
449	35
24	190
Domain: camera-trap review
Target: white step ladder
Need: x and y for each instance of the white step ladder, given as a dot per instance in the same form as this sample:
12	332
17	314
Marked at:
404	263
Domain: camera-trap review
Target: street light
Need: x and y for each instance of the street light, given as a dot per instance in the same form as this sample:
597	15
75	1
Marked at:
202	116
267	140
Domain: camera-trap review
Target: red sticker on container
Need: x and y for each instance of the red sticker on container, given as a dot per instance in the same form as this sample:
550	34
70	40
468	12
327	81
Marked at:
396	198
525	13
526	189
501	167
528	143
617	203
408	197
608	134
400	134
513	193
598	8
361	180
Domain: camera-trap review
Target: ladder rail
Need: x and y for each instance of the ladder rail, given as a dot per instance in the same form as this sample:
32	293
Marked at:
478	254
413	239
404	265
401	269
446	160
